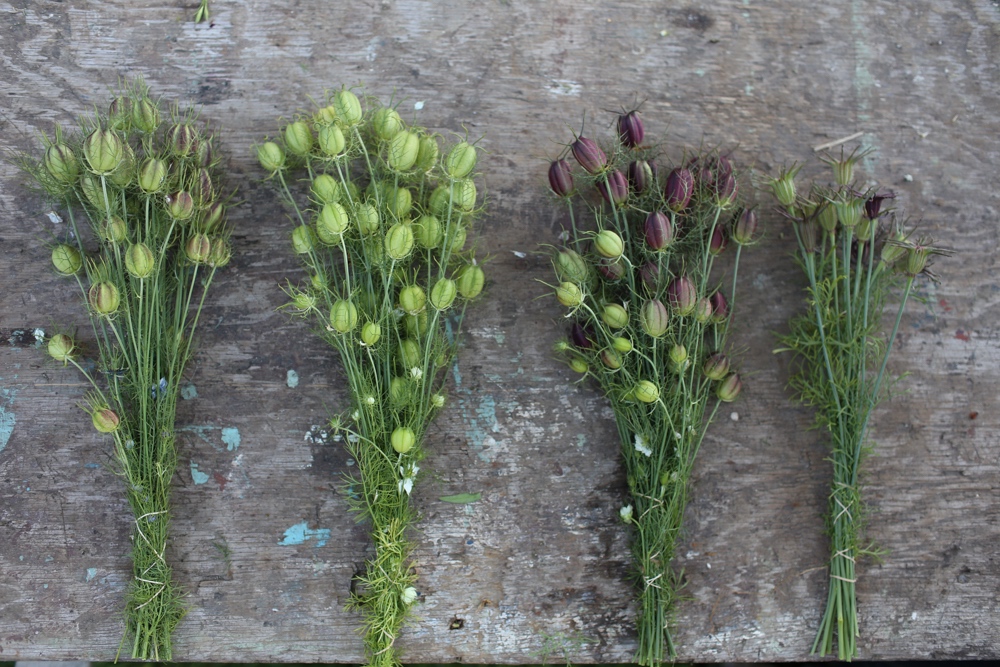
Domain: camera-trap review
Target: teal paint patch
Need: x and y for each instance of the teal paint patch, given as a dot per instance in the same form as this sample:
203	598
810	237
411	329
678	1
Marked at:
292	379
301	532
188	392
231	436
197	476
7	417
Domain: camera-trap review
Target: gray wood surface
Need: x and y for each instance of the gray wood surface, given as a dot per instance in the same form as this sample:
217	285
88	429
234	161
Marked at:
541	562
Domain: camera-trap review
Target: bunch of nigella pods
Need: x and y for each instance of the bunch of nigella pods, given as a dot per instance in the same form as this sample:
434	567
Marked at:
150	191
382	221
856	256
649	320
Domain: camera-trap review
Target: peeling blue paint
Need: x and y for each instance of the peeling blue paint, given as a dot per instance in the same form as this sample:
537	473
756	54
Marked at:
292	379
197	476
300	532
231	436
91	573
188	392
7	416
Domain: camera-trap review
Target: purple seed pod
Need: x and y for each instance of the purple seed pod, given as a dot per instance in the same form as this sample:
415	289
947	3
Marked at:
640	175
582	338
630	129
682	295
658	231
726	188
611	270
718	242
720	307
561	178
703	310
723	167
615	189
730	388
649	273
716	366
590	157
746	227
680	186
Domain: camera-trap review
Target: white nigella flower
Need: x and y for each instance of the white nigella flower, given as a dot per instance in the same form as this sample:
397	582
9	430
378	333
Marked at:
416	373
642	446
677	435
355	415
409	474
409	595
370	400
626	514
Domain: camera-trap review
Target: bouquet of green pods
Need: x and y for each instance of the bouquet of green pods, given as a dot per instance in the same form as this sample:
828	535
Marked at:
146	183
381	224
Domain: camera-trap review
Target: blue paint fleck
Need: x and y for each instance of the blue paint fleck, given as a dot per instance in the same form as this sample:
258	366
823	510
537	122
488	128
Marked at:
301	532
231	436
198	476
188	392
7	416
292	379
91	465
91	573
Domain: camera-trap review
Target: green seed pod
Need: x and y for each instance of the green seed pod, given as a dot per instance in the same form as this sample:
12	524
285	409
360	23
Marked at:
331	223
325	189
427	154
458	238
387	123
271	156
571	267
93	192
655	318
221	253
646	392
331	140
303	240
827	217
609	244
412	299
325	117
622	344
343	316
443	293
461	160
120	113
403	151
703	310
440	201
104	298
61	163
145	116
367	219
198	248
470	281
61	348
611	359
783	187
105	420
302	302
183	140
579	365
348	107
716	366
403	439
615	316
140	261
437	400
848	212
416	325
114	230
212	216
66	259
399	390
180	205
399	241
371	332
125	171
409	354
730	388
399	201
865	230
103	151
569	295
152	175
464	194
678	358
298	138
427	231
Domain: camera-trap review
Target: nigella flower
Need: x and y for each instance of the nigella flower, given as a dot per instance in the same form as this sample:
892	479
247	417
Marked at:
409	474
416	373
408	596
160	389
626	514
642	446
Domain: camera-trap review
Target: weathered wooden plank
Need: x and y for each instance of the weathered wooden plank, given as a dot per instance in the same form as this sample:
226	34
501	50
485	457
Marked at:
541	556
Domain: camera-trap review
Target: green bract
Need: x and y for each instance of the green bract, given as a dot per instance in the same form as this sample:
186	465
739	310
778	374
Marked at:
383	245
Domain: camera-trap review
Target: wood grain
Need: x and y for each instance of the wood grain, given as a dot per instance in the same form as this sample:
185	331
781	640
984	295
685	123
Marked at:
541	559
